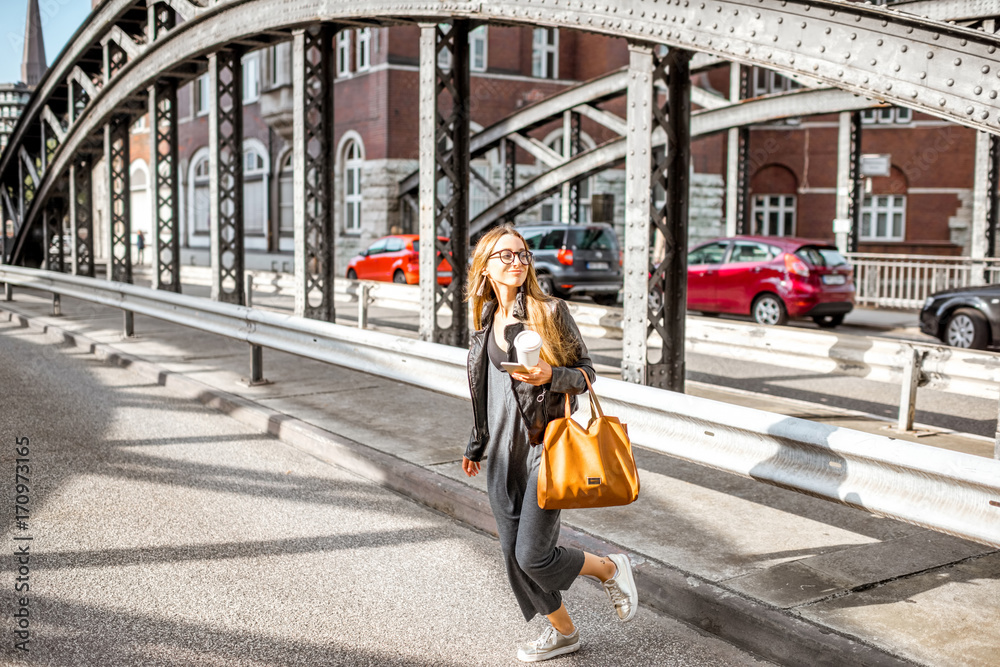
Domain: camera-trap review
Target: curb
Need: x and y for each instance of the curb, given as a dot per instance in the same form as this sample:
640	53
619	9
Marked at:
761	629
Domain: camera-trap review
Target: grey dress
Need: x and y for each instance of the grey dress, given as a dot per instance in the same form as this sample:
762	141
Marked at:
537	569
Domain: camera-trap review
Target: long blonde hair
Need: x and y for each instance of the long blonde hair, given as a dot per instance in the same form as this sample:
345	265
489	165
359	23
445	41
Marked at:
558	348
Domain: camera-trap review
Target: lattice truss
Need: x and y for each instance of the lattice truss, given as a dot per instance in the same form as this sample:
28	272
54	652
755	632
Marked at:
165	186
81	200
117	155
54	254
743	223
668	217
854	178
164	18
993	196
576	141
319	237
229	174
452	172
117	58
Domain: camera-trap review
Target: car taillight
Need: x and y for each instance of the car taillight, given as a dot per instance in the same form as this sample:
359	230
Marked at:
621	258
565	256
795	265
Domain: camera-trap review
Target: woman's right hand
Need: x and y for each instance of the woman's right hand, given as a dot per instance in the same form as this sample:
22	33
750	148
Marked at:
471	468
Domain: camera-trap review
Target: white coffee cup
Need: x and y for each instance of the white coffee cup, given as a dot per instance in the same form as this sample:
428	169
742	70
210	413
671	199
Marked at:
528	345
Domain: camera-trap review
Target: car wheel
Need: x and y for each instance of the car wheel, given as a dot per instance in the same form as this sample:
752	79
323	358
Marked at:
352	274
828	321
605	299
547	286
967	328
769	310
399	277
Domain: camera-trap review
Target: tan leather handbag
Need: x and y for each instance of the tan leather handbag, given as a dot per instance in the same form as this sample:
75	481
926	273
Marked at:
587	467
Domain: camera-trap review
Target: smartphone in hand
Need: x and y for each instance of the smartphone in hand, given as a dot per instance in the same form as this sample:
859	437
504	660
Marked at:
514	367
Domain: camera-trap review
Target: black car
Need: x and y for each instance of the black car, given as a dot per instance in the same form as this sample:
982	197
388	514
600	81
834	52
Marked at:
576	260
964	316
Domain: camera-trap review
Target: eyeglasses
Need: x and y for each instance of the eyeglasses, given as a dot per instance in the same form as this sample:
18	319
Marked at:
507	256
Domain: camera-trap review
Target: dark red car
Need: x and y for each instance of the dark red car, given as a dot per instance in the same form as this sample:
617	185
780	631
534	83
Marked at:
394	258
772	279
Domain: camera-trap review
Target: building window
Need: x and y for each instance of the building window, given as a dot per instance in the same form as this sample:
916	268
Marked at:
202	98
202	200
343	53
774	215
140	125
883	218
545	53
887	115
767	82
281	64
286	201
477	49
364	49
353	163
251	77
254	192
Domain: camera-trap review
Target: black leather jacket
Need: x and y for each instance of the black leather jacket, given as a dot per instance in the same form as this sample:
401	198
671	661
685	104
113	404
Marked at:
538	405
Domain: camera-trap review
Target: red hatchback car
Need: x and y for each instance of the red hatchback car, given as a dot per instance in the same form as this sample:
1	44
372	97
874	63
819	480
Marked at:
394	258
771	278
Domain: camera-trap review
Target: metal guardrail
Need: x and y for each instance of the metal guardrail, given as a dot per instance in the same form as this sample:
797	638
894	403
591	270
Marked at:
946	491
904	281
911	365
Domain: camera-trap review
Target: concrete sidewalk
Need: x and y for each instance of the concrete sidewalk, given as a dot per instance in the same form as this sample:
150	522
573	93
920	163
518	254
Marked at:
794	579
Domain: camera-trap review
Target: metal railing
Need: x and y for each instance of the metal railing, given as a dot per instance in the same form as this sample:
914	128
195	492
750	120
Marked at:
905	281
911	365
947	491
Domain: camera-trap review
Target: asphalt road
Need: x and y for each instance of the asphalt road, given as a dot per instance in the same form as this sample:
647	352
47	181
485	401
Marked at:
165	533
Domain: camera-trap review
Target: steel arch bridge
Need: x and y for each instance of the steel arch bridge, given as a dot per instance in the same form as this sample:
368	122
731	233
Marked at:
131	56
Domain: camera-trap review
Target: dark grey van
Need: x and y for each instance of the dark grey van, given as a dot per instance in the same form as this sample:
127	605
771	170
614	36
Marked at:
576	260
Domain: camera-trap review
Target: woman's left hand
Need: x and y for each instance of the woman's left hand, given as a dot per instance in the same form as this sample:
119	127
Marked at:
539	375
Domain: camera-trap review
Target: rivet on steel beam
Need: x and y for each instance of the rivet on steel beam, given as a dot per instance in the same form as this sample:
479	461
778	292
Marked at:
798	42
958	61
774	39
715	26
884	23
935	36
802	25
991	49
930	55
780	20
896	68
923	75
840	72
753	33
718	9
942	102
913	94
977	90
888	86
756	15
854	35
969	111
993	94
731	29
791	60
904	48
874	62
985	115
878	42
827	31
963	42
985	69
950	82
822	48
815	65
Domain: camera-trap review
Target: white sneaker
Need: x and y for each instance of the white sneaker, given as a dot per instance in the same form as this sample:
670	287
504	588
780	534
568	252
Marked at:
549	645
621	588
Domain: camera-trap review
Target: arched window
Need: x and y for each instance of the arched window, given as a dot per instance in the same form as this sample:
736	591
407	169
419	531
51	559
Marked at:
254	191
201	201
286	201
140	208
774	201
353	162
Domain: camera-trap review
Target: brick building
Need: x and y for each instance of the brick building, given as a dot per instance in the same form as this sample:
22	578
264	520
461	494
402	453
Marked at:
923	206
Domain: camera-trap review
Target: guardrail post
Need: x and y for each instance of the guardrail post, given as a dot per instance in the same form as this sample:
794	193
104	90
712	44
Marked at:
363	301
248	291
129	329
908	391
56	305
8	292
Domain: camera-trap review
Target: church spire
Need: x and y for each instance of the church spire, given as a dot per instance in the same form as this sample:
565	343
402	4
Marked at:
33	63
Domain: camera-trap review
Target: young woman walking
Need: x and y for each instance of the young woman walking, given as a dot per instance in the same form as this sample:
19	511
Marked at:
510	412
